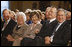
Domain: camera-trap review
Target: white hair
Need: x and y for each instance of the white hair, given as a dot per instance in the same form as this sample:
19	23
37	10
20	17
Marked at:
21	14
61	9
49	8
55	9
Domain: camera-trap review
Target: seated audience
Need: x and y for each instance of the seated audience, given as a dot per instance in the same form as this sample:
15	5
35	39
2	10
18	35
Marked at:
51	27
33	29
61	32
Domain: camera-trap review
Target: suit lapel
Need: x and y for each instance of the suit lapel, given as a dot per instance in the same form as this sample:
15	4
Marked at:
61	27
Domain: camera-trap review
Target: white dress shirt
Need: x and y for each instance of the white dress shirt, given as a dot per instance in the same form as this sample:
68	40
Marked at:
52	20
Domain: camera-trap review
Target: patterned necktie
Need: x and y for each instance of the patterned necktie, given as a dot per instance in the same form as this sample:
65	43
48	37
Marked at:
55	29
4	26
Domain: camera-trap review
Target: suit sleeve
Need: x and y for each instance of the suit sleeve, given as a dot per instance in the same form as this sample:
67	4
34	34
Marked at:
66	37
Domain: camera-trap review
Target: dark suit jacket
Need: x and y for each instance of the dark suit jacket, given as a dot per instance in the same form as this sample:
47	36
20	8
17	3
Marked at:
69	21
8	30
2	22
62	35
47	28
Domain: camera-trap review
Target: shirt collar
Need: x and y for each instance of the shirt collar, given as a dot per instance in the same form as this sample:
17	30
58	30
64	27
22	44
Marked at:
7	21
52	20
62	22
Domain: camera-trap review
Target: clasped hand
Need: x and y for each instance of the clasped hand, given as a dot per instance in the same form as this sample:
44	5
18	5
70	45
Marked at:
47	40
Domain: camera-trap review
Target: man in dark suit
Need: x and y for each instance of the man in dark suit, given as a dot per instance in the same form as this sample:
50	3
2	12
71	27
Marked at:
7	28
61	32
49	24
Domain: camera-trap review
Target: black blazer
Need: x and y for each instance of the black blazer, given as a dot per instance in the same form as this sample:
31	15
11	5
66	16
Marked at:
47	28
62	35
69	21
2	22
9	28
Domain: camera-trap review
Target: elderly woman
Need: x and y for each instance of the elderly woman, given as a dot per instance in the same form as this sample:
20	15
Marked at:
19	29
33	29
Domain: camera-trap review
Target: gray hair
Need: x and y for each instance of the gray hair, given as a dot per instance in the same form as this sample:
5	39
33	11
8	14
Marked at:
48	8
21	14
61	9
55	9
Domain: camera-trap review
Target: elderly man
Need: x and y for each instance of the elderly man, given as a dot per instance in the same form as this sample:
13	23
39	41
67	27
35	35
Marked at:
7	28
61	32
50	23
51	19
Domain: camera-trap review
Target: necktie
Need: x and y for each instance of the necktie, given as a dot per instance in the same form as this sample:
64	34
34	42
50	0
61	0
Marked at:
47	22
4	26
55	29
54	32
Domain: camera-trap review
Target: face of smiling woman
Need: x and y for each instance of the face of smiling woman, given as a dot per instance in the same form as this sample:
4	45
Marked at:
34	19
